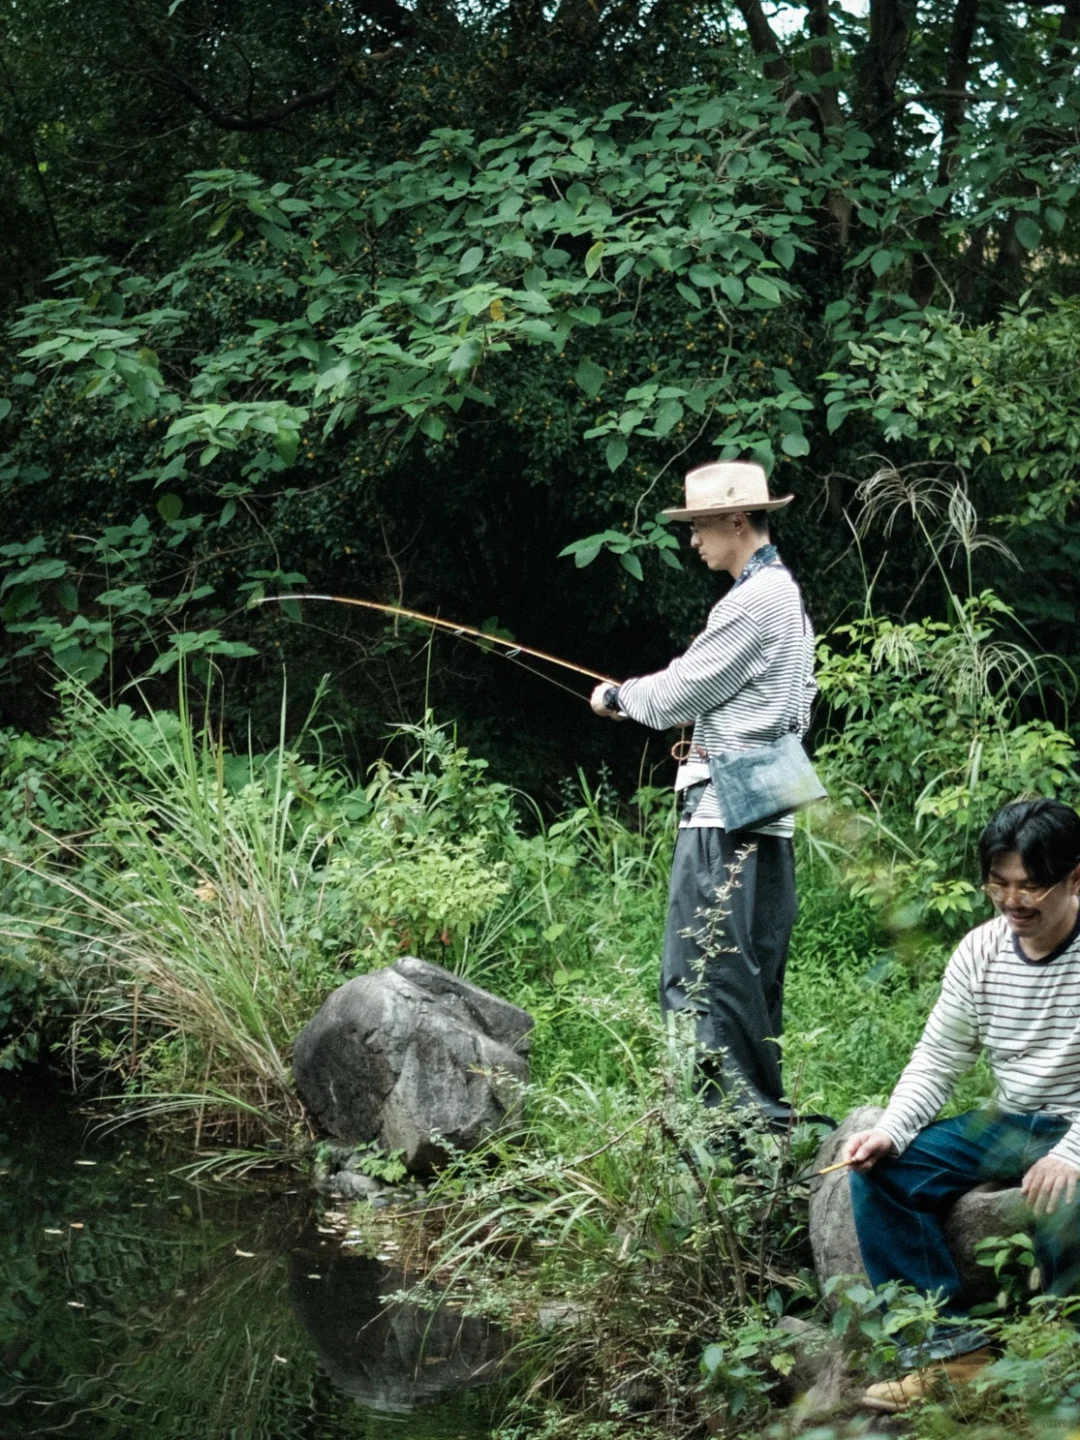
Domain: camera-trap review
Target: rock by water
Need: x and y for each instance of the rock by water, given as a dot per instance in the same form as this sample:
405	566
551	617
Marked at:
414	1059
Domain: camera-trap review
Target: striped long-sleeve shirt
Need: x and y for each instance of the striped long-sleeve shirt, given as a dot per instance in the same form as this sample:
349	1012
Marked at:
747	679
1024	1013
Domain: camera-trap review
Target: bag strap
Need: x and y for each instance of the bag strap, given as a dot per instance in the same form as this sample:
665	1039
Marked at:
807	670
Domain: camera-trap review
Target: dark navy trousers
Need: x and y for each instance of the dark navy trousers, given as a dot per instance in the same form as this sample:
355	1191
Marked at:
900	1205
728	968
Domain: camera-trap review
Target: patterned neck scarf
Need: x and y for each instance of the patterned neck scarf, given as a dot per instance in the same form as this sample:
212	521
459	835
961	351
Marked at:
761	557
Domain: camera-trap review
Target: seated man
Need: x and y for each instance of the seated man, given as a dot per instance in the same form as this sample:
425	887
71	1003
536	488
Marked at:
1013	988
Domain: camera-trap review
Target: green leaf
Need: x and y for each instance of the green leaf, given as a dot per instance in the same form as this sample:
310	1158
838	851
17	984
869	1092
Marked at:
586	552
631	564
20	602
667	417
836	310
464	357
783	252
733	288
590	377
1028	232
705	276
173	470
880	261
616	452
35	574
765	288
593	257
432	426
170	507
287	442
795	445
470	260
1055	220
85	665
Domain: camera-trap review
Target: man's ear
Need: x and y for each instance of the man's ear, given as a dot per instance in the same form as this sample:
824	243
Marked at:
1073	881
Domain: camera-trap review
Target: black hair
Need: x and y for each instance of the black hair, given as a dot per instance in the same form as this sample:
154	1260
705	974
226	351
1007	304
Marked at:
758	520
1044	833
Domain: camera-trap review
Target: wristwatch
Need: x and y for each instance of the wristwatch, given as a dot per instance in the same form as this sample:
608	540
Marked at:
611	699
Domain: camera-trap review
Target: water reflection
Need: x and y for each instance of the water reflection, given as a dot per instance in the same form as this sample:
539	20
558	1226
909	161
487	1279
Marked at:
135	1305
390	1358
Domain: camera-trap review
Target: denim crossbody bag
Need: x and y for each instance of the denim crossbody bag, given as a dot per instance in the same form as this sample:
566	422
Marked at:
762	784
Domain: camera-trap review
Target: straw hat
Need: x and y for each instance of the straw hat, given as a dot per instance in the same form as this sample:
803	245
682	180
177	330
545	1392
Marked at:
723	488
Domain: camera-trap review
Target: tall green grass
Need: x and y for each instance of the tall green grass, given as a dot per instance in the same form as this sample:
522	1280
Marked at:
178	912
205	902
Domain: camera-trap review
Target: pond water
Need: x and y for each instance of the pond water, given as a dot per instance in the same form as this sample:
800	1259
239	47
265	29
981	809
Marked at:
134	1303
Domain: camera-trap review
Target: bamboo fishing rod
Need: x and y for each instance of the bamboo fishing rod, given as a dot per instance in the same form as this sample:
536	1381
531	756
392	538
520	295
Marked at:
511	648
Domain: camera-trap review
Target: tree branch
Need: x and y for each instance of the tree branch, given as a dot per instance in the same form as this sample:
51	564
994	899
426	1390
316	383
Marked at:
231	120
961	37
927	97
763	39
390	16
875	89
1062	53
35	164
821	63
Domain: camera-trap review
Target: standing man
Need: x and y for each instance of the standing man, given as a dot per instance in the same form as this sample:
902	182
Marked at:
1012	988
745	681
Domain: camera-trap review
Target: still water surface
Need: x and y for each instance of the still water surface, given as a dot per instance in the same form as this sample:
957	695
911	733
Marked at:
134	1304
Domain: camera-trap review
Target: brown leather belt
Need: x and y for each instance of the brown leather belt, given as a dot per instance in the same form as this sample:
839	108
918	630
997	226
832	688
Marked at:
682	750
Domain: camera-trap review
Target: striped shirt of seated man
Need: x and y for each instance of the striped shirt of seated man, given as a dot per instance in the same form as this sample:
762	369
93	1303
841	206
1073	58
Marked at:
1012	991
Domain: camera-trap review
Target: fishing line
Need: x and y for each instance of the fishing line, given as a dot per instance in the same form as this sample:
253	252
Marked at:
515	660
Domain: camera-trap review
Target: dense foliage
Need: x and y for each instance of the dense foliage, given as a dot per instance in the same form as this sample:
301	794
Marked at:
193	905
403	302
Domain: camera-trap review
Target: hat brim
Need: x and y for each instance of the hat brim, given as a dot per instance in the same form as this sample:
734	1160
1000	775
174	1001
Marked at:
746	509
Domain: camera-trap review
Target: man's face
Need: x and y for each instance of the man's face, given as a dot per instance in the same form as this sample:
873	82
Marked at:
718	540
1037	913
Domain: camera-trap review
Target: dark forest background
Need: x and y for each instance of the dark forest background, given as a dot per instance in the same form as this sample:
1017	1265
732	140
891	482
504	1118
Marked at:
400	301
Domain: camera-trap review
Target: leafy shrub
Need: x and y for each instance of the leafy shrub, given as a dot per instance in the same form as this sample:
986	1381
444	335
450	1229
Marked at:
211	900
927	732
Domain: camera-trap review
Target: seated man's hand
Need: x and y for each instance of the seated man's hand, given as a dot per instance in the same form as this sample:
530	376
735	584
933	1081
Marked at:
1048	1182
864	1150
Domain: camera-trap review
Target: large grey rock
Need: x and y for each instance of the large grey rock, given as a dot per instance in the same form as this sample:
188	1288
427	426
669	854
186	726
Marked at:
986	1210
415	1059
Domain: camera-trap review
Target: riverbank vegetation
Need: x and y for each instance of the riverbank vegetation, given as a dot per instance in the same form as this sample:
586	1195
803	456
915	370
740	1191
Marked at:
178	909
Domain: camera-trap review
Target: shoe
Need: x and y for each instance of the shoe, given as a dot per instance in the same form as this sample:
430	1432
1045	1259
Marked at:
948	1343
890	1396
